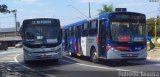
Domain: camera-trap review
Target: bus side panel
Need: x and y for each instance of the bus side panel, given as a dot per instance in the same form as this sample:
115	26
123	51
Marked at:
87	43
83	46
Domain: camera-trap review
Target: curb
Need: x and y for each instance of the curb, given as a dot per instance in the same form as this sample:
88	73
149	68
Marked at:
150	58
152	51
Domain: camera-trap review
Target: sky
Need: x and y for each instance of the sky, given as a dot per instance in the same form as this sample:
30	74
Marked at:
60	9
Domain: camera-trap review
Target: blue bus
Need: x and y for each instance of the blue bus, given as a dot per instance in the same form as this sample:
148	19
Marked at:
41	39
110	36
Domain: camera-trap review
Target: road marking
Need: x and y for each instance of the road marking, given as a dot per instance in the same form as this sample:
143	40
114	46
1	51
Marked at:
7	52
11	61
96	66
81	64
150	58
15	58
7	61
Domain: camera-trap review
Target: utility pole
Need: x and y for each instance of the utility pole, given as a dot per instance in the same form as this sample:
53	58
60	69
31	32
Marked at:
15	18
89	10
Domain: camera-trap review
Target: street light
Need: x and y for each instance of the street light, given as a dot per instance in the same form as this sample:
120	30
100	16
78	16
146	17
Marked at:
155	27
89	9
77	10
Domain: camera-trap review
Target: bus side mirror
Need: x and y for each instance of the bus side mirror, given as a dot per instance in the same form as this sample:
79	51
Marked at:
60	35
107	24
21	32
107	28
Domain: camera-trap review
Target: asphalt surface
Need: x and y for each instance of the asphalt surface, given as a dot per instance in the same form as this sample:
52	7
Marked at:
12	65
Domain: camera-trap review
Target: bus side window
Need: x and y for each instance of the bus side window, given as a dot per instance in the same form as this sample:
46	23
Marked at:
102	28
85	29
21	32
69	32
78	30
75	31
93	28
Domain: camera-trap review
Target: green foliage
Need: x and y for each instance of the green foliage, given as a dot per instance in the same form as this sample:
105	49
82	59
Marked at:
151	26
106	8
4	8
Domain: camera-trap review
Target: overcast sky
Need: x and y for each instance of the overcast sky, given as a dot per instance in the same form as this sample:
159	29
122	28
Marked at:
60	9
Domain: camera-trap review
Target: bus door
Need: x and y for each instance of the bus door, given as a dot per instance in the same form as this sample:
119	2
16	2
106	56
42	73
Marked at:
66	39
102	38
78	39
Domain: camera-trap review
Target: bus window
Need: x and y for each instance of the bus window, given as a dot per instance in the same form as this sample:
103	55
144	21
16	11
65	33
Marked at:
78	31
72	31
85	30
69	32
93	28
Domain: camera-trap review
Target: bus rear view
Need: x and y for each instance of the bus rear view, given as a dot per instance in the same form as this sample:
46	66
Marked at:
41	39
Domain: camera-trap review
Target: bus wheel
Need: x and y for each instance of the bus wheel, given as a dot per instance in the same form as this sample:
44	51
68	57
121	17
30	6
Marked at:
55	61
94	58
5	49
27	61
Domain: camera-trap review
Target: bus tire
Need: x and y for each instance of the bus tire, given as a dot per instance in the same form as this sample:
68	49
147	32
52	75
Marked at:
94	58
5	49
56	60
27	61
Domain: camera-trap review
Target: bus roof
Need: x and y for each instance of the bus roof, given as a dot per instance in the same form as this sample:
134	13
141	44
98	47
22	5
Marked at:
100	17
33	19
106	15
76	24
41	19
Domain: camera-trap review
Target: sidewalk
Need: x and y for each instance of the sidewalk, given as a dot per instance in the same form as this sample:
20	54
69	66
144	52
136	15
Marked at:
154	54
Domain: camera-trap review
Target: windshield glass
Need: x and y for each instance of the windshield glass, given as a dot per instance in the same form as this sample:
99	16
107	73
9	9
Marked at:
127	32
41	34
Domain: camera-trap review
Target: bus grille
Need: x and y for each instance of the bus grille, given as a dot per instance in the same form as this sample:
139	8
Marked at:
44	52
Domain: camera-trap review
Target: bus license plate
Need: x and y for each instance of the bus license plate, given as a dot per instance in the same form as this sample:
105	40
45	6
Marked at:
44	56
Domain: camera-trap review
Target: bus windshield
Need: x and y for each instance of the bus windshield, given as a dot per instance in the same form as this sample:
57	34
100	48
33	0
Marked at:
127	32
41	34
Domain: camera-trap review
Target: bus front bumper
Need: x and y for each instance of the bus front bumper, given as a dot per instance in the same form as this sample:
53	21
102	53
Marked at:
42	55
113	54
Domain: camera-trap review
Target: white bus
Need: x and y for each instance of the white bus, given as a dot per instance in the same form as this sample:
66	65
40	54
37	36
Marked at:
41	39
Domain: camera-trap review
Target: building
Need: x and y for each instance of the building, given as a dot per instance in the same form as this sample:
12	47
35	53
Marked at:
10	36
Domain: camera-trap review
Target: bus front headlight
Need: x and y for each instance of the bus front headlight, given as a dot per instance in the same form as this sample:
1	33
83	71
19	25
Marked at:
56	50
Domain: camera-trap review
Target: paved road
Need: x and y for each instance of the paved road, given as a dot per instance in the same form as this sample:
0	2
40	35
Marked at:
12	64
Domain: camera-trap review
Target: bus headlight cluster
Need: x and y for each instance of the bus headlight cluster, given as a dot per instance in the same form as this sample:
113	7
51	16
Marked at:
138	48
56	50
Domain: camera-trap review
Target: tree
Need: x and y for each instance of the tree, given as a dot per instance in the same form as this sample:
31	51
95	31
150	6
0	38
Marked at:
106	8
151	26
4	9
